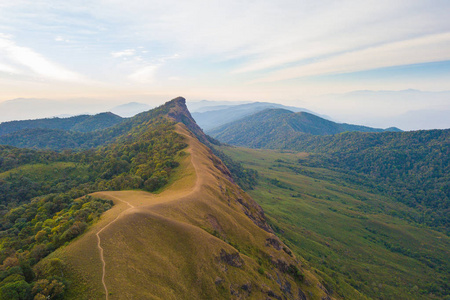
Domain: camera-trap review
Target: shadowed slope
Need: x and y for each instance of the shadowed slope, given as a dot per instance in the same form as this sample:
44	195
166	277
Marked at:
202	237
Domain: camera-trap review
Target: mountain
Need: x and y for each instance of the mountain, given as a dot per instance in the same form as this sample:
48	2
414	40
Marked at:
130	109
213	118
199	236
278	125
82	123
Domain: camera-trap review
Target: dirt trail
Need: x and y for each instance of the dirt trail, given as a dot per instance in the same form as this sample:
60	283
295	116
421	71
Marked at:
152	199
99	242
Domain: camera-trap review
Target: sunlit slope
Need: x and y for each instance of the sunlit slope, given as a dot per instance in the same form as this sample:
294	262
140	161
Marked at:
202	237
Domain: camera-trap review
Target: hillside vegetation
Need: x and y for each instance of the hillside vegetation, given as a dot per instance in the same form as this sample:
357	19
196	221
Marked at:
362	241
411	167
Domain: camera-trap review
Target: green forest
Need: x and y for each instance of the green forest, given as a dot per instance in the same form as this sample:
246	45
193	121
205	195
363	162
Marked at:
412	167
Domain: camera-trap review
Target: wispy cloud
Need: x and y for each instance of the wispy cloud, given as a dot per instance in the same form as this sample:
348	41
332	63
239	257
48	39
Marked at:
218	43
61	39
418	50
25	59
5	68
144	75
140	65
127	52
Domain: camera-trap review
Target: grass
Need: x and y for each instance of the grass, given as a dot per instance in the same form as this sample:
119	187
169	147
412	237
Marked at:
353	237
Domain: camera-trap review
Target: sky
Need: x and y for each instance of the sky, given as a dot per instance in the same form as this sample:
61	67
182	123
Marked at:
290	52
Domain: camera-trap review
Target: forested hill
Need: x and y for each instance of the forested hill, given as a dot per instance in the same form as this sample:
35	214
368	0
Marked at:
215	116
414	166
60	139
277	125
82	123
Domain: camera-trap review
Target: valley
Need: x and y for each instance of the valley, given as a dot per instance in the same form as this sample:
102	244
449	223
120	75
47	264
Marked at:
356	237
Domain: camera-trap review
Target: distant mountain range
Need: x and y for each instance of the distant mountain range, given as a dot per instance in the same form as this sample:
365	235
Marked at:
210	117
406	109
82	123
36	108
130	109
207	105
280	125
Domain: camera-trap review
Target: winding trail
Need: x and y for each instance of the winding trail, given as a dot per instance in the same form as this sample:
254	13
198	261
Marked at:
99	242
167	196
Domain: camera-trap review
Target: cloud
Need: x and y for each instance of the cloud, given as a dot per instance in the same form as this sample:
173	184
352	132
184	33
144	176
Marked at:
432	48
144	75
28	60
127	52
221	43
143	70
8	69
61	39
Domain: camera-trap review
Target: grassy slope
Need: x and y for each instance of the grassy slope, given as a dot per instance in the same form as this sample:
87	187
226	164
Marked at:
345	231
169	246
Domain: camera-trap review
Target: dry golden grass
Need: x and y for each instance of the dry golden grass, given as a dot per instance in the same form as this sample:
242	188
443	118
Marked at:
169	245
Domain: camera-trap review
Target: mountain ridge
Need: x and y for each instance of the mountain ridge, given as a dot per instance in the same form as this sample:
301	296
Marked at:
208	120
281	124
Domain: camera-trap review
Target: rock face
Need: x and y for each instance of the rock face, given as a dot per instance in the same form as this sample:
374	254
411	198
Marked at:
233	259
180	113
